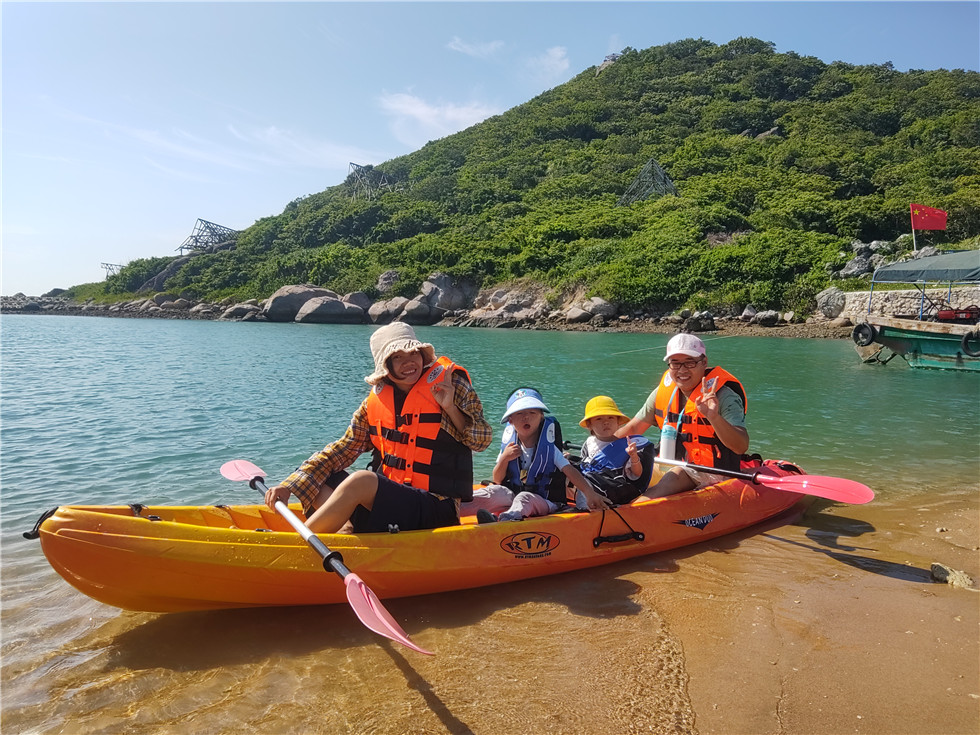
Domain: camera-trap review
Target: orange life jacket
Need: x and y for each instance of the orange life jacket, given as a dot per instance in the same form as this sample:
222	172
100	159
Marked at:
694	432
413	447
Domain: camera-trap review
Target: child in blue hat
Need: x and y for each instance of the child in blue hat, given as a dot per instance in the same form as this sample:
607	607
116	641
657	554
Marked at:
531	463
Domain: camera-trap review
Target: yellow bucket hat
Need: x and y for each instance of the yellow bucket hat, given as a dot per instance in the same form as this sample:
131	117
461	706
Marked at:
602	406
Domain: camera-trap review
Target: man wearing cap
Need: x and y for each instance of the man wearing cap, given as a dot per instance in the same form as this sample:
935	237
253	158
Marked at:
423	421
706	407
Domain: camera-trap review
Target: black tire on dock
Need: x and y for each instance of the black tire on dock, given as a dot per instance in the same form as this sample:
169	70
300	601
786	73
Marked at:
864	334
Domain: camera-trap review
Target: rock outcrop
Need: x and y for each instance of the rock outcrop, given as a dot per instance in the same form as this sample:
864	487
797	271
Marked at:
443	300
329	310
284	304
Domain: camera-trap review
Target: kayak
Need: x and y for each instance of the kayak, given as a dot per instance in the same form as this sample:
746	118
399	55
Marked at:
180	558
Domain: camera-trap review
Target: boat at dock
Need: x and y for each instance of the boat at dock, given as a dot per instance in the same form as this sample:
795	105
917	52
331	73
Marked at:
935	334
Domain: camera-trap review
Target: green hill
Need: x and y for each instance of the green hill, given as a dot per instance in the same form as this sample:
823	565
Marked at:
779	162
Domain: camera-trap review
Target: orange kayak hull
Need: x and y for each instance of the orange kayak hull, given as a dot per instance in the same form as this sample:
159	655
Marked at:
179	558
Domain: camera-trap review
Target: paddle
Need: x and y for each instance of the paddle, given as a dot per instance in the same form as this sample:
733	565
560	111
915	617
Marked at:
832	488
365	603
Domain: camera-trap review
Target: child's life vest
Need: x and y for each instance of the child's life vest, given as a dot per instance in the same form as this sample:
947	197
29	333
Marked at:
541	477
606	469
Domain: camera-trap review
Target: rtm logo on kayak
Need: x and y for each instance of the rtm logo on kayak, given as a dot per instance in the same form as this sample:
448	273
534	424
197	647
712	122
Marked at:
700	522
530	545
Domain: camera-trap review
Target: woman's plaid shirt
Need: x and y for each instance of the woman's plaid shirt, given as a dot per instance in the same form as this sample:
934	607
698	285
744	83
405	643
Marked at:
305	482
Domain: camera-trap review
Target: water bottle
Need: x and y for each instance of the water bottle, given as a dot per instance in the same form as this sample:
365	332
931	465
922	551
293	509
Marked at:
668	442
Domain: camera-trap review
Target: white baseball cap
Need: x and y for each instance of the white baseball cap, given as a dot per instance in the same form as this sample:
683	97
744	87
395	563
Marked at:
684	344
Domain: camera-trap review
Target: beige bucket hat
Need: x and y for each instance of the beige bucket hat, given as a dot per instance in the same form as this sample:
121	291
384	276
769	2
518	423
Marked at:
392	338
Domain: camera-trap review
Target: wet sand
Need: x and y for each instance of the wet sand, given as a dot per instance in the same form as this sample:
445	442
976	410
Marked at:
851	635
830	625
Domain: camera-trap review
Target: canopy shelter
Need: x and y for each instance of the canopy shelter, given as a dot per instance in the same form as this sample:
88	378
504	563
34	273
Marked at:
957	267
960	266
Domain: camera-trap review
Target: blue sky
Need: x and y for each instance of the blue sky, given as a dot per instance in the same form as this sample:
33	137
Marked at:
122	123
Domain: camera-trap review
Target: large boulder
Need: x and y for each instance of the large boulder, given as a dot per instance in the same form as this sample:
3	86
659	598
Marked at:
597	306
329	310
444	295
284	304
831	301
382	312
577	315
157	282
417	311
768	318
857	266
510	307
386	281
238	312
701	321
359	298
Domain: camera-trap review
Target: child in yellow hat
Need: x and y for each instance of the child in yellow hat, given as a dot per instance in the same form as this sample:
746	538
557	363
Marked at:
618	468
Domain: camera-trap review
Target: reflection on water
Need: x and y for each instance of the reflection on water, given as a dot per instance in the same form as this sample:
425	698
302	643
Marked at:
118	411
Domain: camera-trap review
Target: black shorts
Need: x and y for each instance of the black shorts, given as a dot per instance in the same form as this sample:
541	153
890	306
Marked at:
406	507
335	479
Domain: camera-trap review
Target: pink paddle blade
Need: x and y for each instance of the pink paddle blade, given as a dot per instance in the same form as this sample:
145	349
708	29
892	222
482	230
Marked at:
373	614
240	470
366	604
821	486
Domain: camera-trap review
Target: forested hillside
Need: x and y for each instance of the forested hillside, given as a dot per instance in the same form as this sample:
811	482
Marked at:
779	161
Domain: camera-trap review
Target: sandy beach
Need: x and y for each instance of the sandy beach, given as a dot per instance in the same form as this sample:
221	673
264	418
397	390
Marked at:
829	625
853	637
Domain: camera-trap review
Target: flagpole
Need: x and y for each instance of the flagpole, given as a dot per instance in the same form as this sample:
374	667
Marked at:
912	223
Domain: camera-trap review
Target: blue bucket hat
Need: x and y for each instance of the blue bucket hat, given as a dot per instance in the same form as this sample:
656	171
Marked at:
521	400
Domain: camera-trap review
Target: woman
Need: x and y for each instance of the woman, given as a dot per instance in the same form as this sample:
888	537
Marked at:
423	421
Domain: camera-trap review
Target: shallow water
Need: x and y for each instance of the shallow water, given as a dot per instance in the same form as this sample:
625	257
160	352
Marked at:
98	410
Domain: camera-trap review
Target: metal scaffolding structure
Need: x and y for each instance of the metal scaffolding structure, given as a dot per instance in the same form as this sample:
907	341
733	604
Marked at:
111	269
367	181
651	183
206	235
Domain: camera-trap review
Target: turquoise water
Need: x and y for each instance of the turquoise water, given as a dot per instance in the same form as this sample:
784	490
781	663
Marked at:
98	410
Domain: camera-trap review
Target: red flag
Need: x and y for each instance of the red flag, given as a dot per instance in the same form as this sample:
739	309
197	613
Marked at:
927	218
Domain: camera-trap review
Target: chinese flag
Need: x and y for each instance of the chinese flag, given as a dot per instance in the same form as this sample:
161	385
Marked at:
927	218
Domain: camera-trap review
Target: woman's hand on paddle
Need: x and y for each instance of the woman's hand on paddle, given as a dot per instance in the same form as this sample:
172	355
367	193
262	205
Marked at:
276	493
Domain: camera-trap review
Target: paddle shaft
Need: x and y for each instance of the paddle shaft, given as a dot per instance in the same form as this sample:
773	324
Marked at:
750	476
332	560
832	488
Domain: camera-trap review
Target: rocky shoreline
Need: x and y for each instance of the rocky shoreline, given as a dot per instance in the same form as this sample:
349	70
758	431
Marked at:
445	302
519	307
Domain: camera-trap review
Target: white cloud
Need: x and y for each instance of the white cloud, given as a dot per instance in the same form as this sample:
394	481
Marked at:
285	147
477	50
551	66
242	149
415	122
